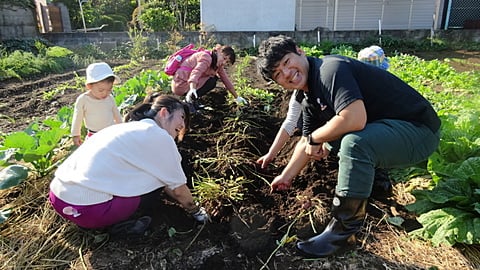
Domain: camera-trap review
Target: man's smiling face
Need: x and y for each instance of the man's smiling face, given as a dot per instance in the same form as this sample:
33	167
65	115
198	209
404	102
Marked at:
292	71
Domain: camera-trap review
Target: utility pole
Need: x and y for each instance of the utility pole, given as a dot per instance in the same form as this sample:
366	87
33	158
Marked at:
80	2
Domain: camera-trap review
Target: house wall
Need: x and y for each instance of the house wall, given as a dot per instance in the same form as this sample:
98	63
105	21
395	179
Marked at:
333	15
343	15
247	15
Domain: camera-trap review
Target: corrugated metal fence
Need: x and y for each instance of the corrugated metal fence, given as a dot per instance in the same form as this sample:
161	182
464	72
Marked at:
352	15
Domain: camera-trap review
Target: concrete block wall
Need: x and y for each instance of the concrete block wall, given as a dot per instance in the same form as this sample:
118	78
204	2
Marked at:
17	22
250	39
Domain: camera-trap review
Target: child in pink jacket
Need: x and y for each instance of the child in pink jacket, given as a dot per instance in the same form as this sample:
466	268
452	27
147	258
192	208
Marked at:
199	73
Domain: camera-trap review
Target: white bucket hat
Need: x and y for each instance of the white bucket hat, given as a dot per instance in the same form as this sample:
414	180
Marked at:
99	71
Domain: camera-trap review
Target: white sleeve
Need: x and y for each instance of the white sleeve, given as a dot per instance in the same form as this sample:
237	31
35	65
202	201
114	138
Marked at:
293	114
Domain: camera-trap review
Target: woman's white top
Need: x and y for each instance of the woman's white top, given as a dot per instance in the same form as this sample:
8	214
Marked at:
128	159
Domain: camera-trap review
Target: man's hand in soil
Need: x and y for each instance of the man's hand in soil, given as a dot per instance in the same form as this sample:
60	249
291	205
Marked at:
317	152
265	160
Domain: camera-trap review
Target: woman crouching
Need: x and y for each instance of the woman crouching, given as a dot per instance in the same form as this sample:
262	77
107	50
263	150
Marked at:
102	183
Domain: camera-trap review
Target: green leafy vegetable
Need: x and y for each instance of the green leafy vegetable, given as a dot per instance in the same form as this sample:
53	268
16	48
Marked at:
449	226
12	176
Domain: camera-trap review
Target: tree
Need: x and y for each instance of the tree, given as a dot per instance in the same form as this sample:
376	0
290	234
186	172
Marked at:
95	11
187	14
152	15
157	19
157	15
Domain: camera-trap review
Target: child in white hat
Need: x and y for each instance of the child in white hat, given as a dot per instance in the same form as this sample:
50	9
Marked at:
96	107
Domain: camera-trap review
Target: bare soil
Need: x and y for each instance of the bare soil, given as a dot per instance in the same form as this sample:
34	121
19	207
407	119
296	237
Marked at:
246	234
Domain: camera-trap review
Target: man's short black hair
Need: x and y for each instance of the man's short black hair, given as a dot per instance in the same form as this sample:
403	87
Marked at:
271	51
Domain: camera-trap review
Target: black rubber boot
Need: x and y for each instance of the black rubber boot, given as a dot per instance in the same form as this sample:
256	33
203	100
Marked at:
382	186
348	215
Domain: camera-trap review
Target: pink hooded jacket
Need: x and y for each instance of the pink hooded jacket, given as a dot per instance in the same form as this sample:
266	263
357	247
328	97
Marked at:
197	69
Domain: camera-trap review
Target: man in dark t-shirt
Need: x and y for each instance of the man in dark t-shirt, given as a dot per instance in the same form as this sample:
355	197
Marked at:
369	117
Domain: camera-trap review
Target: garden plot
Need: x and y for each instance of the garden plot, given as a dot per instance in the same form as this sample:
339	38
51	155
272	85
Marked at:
251	228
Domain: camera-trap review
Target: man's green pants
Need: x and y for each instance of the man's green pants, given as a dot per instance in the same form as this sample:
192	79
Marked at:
385	143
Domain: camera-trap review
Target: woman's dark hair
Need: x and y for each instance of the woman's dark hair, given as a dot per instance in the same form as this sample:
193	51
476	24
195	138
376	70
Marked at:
155	101
151	96
214	55
271	51
227	51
